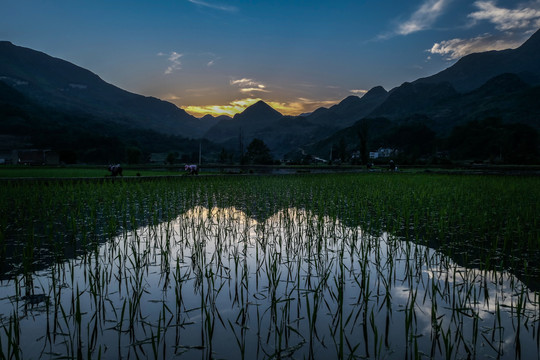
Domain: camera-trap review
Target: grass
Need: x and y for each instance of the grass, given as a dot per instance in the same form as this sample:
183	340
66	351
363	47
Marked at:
80	172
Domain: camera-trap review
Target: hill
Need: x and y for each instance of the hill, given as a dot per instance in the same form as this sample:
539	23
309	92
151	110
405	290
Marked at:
58	84
473	70
496	84
81	138
248	122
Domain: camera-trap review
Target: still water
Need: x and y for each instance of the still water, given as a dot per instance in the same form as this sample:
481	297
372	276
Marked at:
215	283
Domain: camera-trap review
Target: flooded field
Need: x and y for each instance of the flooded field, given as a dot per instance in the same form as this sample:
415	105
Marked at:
313	266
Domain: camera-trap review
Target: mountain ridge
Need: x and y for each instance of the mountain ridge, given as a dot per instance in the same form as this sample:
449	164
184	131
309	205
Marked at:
61	84
473	70
493	83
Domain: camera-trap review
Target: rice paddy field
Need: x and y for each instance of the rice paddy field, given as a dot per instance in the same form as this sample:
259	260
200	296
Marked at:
371	265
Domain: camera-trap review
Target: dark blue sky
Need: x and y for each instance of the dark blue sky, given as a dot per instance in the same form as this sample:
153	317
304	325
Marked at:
220	56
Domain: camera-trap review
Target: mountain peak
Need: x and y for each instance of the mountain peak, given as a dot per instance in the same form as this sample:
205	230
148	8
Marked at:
376	92
259	111
473	70
260	105
502	84
57	84
532	43
349	100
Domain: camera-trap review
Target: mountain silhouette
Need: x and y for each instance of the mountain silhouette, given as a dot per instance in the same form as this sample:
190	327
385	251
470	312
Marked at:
411	98
81	138
59	84
503	84
247	123
350	109
473	70
258	112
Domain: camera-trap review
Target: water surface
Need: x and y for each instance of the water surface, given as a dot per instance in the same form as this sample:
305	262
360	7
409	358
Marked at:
215	283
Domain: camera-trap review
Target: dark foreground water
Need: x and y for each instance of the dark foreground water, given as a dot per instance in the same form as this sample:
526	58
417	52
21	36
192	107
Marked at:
217	284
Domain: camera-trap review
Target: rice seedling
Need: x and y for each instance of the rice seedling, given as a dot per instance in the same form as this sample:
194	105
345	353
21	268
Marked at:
314	266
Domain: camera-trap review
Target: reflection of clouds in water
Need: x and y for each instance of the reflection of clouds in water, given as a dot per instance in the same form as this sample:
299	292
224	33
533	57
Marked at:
223	255
492	288
485	289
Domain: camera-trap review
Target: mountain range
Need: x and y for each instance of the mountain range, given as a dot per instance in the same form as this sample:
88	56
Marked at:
502	84
61	85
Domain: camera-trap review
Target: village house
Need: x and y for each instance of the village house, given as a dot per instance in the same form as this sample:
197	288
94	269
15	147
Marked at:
382	153
35	157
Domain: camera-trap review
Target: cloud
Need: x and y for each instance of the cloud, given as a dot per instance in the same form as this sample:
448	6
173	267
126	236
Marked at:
249	85
295	107
457	48
174	59
226	8
247	90
300	105
515	26
233	107
245	82
171	97
423	18
358	92
506	19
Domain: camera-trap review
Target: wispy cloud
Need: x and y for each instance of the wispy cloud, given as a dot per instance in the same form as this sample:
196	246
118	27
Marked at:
174	60
457	48
246	82
259	89
423	18
171	97
206	4
249	85
358	91
514	25
528	16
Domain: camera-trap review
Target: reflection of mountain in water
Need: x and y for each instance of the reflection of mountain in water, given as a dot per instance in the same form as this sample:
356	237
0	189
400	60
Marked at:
296	277
67	243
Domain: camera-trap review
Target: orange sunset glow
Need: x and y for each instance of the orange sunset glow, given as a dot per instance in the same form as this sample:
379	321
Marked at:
294	108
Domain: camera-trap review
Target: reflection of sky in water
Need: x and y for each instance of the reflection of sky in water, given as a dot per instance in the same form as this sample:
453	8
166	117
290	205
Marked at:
217	281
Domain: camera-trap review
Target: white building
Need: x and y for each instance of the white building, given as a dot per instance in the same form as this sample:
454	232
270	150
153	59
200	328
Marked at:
382	153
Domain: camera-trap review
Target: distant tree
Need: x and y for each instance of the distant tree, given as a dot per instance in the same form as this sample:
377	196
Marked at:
223	156
134	155
339	151
258	153
363	136
490	139
171	157
412	140
342	149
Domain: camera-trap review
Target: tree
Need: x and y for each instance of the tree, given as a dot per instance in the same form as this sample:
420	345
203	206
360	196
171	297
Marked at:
342	149
259	153
491	139
412	140
363	134
133	155
171	157
223	156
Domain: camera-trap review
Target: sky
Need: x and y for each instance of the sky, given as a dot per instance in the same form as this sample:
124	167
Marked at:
220	56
